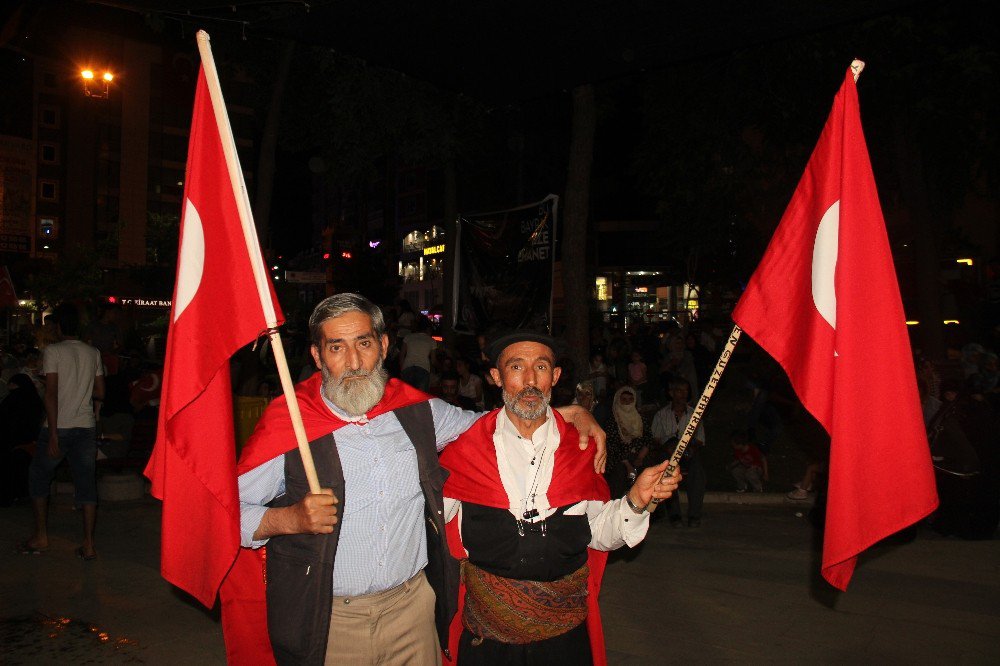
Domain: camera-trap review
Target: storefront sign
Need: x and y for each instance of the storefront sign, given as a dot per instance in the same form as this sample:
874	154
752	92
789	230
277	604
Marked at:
147	302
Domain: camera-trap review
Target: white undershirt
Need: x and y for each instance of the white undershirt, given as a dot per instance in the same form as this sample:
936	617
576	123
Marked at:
612	524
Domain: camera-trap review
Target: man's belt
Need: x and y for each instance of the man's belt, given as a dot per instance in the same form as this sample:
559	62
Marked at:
522	611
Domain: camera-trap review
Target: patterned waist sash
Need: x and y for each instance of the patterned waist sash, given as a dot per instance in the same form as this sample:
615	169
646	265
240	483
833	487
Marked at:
522	611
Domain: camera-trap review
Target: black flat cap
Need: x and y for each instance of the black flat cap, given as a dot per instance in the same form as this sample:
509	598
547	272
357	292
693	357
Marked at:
507	338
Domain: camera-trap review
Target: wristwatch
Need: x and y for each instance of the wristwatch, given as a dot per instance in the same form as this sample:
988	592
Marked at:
635	509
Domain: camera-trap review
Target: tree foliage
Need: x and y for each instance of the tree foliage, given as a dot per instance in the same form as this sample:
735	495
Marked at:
354	114
76	277
725	145
369	272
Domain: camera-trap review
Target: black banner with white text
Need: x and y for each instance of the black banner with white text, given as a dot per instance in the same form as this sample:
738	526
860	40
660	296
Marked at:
503	277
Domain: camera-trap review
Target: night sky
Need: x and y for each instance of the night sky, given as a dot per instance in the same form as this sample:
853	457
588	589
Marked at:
707	113
687	96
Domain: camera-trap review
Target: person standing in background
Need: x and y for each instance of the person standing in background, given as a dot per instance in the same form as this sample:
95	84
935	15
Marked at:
415	356
668	426
74	391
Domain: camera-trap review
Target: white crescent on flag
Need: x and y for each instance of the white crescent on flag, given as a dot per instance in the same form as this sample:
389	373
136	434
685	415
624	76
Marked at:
191	260
824	266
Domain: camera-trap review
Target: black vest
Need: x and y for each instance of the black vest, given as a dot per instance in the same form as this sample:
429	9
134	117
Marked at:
491	537
300	566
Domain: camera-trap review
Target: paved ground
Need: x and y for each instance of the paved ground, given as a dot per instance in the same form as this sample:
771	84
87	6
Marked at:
742	588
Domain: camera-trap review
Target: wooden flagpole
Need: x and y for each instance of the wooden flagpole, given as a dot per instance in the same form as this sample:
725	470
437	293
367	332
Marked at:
699	410
720	366
253	250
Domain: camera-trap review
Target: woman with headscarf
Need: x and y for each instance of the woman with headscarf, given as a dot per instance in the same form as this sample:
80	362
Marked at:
21	414
628	440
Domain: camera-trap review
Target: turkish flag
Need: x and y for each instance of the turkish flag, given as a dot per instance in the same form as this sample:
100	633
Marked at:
825	304
219	306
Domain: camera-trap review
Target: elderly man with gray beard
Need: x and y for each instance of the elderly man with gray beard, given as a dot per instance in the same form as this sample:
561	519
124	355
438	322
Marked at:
359	573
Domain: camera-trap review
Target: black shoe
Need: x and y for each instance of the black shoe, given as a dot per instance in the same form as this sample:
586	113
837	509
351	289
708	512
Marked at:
675	521
694	522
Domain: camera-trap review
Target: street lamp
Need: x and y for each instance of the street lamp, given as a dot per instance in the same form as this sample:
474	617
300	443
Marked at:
94	87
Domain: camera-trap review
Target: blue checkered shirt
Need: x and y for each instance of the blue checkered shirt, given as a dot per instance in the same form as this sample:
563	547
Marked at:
382	538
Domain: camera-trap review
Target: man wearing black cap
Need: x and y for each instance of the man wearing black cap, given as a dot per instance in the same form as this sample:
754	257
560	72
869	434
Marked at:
533	521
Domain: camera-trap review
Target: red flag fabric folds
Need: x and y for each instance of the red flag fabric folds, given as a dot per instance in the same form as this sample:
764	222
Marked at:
217	308
825	304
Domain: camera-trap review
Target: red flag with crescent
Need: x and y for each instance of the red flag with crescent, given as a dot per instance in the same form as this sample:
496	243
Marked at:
219	305
824	302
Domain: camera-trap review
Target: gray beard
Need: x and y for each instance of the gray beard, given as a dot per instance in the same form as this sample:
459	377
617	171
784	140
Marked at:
357	396
514	405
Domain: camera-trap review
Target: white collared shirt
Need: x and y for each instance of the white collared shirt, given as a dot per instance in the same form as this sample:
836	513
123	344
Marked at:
666	424
612	524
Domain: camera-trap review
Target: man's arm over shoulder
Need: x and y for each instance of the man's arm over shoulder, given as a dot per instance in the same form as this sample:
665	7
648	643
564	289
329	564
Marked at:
450	422
588	428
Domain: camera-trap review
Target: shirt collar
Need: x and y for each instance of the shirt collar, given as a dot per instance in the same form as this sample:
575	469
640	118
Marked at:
545	433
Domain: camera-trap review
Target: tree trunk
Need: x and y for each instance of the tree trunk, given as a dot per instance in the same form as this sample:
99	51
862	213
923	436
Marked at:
926	244
451	248
576	211
268	147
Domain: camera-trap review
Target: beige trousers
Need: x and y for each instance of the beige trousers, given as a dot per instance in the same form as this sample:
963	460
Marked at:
391	627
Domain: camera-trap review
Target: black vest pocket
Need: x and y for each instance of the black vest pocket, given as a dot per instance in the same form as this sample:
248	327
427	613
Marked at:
295	612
